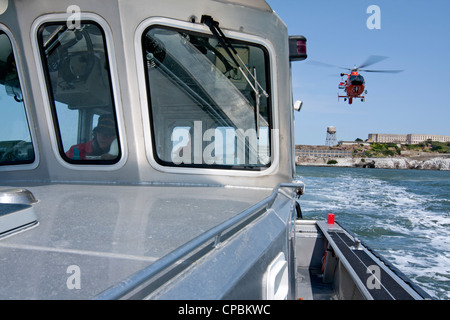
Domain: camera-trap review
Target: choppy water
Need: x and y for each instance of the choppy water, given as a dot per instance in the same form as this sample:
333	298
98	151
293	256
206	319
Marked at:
402	214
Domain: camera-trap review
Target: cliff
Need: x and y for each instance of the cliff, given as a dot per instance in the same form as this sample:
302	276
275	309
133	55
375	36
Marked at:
429	155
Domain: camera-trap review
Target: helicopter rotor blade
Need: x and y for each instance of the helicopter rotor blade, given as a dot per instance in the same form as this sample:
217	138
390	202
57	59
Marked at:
381	71
372	60
369	61
322	64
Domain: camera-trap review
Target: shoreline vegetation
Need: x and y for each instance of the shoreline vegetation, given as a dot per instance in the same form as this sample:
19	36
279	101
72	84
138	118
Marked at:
429	155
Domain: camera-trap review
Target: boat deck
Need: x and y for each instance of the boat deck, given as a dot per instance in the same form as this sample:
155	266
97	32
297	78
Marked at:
310	285
333	264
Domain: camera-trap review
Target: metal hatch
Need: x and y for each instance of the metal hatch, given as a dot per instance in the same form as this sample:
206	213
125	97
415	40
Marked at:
16	210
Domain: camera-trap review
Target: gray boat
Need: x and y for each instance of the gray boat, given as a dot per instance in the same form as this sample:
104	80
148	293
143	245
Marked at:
147	152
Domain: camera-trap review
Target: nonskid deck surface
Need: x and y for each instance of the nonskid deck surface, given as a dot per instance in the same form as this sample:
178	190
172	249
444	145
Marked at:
387	289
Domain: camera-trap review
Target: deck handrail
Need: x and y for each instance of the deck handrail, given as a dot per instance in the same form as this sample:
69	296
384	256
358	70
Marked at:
129	284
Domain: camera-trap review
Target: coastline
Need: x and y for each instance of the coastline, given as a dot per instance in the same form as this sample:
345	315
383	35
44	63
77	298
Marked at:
433	163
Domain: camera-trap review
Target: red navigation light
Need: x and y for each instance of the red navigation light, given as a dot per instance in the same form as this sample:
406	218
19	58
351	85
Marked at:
301	47
297	48
331	218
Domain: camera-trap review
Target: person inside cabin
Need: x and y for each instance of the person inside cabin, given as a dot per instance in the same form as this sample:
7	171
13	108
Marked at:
104	140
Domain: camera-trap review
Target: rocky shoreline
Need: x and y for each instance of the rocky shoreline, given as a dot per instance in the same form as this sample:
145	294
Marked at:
436	163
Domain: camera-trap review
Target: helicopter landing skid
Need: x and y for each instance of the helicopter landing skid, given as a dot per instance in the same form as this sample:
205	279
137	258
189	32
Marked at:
350	99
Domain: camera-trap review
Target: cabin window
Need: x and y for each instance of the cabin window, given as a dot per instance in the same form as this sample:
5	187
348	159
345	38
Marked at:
15	139
79	86
204	111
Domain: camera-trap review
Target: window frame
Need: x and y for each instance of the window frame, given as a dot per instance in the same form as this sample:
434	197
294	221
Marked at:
271	69
49	102
17	58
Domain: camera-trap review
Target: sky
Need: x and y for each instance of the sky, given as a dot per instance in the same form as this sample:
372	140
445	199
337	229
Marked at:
414	35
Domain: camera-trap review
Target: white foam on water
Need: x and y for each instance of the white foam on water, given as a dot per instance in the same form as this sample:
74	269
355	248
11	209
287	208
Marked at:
425	270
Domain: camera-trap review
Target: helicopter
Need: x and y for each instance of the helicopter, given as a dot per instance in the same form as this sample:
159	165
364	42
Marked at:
354	84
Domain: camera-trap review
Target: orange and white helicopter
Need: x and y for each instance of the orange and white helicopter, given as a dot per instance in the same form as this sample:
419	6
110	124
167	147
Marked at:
354	84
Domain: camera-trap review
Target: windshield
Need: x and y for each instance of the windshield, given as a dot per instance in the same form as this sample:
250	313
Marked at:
204	111
356	80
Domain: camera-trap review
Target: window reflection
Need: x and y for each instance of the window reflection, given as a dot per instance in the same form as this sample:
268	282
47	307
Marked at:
15	140
80	91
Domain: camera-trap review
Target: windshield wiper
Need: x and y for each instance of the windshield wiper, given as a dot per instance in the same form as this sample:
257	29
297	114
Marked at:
226	44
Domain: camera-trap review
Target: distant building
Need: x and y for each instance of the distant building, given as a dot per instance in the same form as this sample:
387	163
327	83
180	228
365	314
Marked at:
387	138
406	138
418	138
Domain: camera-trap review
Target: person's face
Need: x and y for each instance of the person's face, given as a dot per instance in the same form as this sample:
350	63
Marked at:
104	141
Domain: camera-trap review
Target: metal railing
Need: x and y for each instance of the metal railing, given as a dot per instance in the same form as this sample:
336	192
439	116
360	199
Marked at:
323	153
128	285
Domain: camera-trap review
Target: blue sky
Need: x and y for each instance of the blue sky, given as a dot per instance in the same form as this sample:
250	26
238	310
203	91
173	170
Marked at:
414	35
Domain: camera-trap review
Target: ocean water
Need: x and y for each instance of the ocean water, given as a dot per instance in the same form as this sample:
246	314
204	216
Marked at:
404	215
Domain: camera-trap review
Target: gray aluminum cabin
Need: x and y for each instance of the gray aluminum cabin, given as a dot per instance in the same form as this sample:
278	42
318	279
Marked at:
147	152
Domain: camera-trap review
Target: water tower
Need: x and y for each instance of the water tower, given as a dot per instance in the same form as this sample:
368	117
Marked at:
331	137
